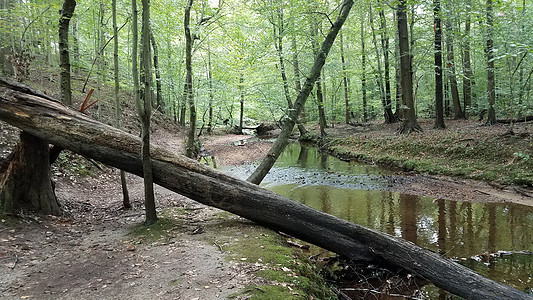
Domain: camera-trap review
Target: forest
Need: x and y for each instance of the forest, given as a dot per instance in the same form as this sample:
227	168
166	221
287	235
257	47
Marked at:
129	127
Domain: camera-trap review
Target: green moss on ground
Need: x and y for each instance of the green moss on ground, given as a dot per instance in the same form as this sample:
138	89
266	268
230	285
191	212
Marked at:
288	274
483	153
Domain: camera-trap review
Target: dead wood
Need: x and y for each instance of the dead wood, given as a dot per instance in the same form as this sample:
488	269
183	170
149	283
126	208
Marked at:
69	129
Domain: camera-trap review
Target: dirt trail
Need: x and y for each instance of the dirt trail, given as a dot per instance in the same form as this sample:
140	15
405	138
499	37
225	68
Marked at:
91	254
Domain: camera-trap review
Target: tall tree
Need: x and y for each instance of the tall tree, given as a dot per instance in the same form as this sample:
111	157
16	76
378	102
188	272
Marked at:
125	194
363	71
389	116
491	82
450	63
409	123
319	93
144	108
282	140
345	79
467	68
192	148
64	56
439	110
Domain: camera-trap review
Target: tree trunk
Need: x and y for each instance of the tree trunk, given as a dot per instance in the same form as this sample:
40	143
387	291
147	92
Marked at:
125	194
450	63
241	113
439	110
296	69
25	181
282	140
158	103
379	75
319	94
144	108
363	72
64	127
409	123
467	69
211	96
279	48
389	116
64	57
192	149
491	82
347	113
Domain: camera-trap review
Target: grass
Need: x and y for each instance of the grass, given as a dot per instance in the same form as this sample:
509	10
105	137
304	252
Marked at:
469	151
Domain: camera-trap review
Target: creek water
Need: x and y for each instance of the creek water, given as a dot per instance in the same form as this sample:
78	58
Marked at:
494	239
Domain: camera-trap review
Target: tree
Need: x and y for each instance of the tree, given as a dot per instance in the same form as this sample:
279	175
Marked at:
450	63
467	68
363	71
491	82
125	194
281	142
389	116
439	110
410	123
144	105
192	149
345	82
158	103
64	20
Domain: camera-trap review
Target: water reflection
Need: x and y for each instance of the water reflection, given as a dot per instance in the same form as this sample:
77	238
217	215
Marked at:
459	230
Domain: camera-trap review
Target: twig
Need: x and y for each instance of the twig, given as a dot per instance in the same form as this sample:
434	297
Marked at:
219	247
15	262
482	192
522	192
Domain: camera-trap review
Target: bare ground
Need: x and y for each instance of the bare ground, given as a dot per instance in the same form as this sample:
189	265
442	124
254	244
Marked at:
90	253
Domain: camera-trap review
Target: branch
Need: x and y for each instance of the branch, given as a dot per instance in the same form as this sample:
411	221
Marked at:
32	21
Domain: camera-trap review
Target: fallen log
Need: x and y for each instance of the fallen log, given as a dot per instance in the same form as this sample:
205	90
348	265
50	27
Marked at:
69	129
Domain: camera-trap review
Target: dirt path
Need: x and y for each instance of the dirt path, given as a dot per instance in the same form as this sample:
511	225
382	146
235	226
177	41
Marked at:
92	254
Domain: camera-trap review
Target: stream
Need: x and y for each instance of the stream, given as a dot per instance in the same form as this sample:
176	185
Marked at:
494	239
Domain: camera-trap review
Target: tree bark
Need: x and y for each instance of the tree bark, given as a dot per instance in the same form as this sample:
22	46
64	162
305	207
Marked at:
409	123
211	95
67	128
64	56
491	82
319	93
347	112
25	183
192	149
467	68
282	140
144	107
450	64
123	183
363	72
389	116
158	103
439	110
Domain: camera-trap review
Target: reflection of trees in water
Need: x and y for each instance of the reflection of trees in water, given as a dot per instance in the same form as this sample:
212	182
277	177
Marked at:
302	156
408	215
441	239
326	201
392	213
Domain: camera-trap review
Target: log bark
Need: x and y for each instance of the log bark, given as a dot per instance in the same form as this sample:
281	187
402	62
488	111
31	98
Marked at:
67	128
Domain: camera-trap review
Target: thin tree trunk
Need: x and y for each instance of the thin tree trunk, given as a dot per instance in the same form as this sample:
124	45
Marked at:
282	140
64	20
296	68
278	35
467	69
363	72
491	82
379	75
192	148
439	110
158	103
409	123
125	194
347	113
458	112
76	45
211	95
241	114
386	64
319	93
144	107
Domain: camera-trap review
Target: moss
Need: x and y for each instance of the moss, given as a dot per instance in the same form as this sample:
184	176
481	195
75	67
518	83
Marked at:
291	276
160	231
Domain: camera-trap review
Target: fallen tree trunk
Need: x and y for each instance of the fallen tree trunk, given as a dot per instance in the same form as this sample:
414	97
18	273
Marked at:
69	129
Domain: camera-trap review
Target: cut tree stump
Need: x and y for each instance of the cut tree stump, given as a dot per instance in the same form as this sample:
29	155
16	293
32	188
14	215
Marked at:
69	129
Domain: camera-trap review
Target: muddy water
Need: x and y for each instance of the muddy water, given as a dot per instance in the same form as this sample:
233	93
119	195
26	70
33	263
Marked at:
494	239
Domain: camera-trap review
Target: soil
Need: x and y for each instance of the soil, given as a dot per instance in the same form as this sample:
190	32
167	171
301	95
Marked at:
90	252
